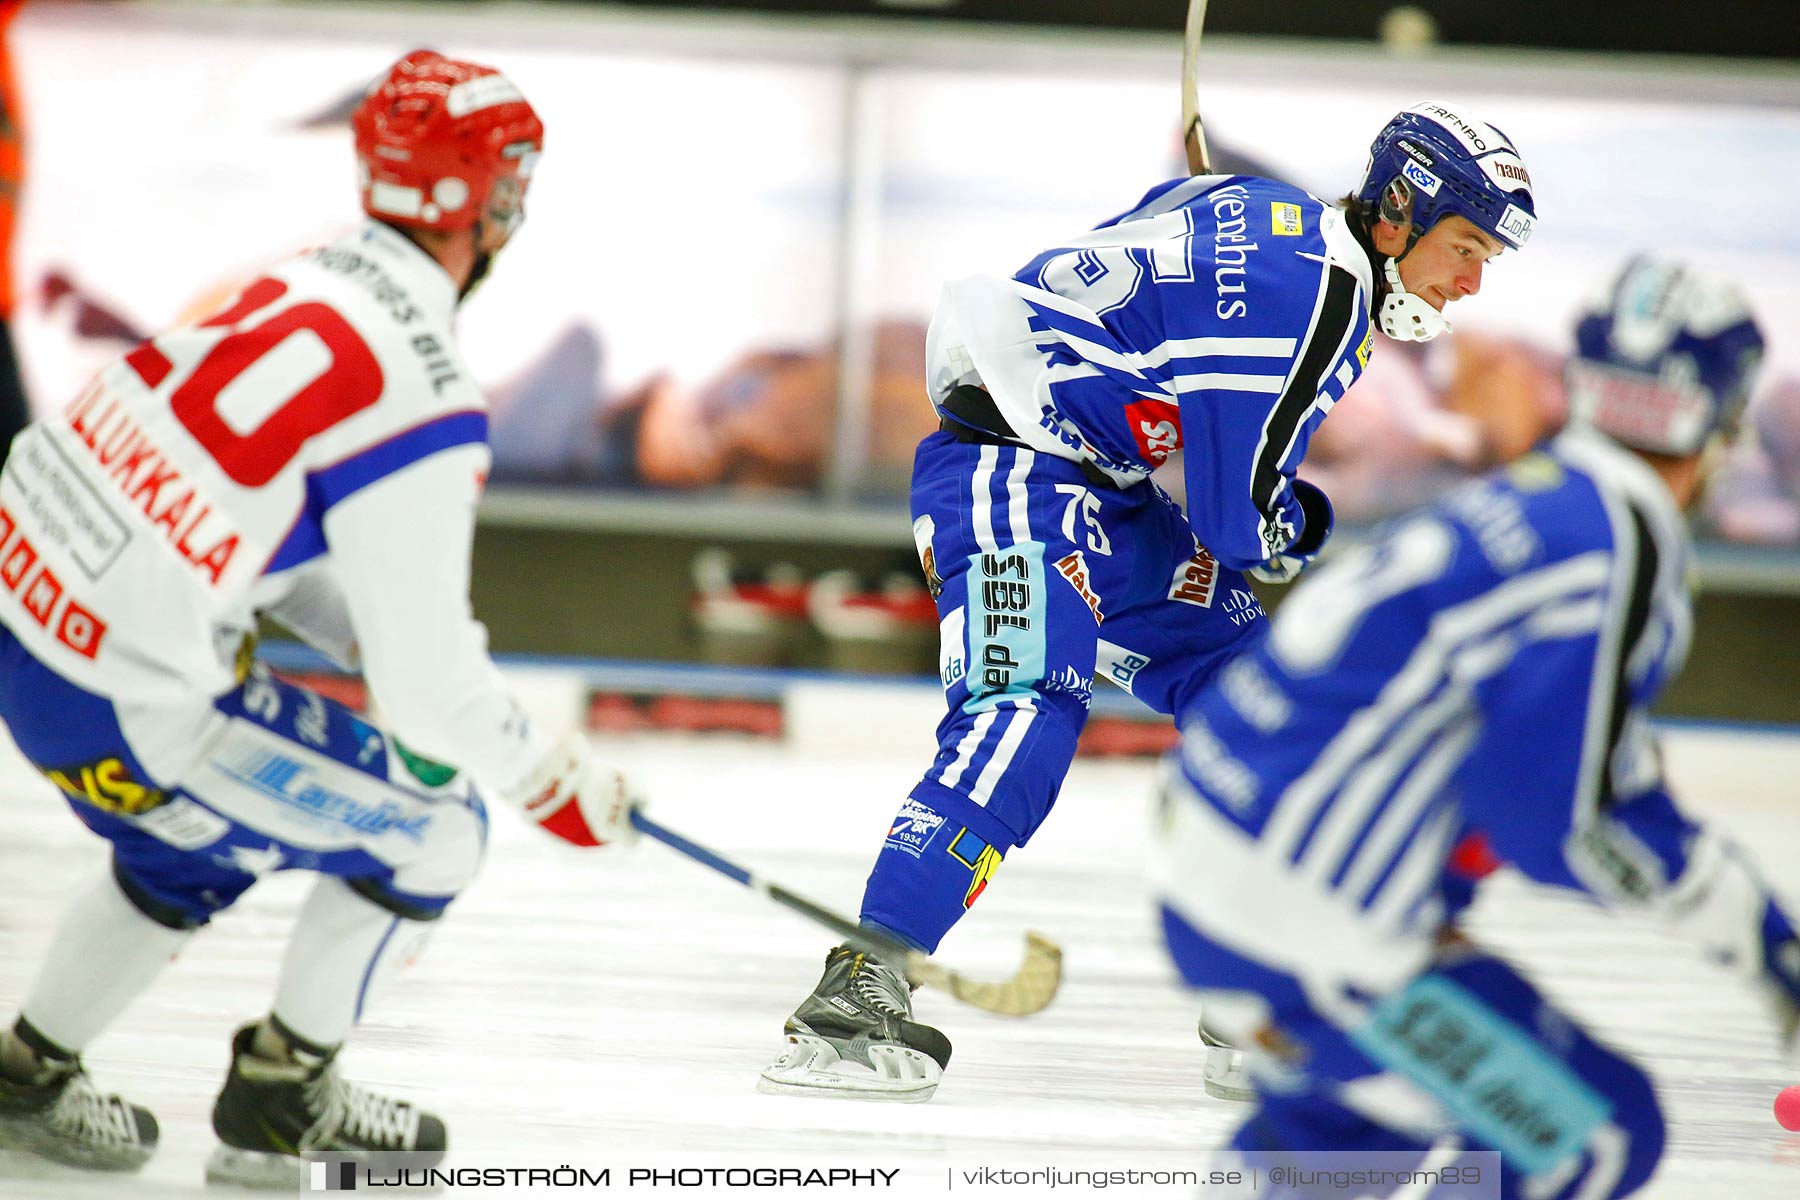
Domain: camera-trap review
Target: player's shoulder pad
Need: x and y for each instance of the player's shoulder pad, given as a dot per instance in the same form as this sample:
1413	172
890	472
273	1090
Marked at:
401	305
1527	514
1277	189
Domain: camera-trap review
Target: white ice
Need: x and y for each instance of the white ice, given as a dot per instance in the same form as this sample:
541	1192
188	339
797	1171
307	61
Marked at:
610	1008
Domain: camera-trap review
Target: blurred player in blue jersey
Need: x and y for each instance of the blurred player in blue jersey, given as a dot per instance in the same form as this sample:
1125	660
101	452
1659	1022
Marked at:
1486	664
1224	315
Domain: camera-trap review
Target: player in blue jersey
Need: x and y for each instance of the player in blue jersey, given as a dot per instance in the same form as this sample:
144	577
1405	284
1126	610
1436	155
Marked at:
1222	314
1486	664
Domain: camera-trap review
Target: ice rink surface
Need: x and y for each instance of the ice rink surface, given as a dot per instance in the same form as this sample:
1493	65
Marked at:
612	1009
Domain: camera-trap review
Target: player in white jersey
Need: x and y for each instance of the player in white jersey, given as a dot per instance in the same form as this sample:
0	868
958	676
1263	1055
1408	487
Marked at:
311	453
1487	665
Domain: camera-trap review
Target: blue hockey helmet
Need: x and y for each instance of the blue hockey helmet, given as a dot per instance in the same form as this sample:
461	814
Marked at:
1665	358
1430	162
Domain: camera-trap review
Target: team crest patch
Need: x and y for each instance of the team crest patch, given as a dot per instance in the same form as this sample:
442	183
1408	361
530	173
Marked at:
1196	579
1285	219
980	858
914	827
1073	567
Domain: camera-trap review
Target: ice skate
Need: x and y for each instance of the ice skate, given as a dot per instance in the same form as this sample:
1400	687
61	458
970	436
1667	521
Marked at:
1226	1076
59	1115
273	1117
854	1038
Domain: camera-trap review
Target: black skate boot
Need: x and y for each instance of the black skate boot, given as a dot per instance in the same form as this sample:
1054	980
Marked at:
855	1038
57	1114
274	1117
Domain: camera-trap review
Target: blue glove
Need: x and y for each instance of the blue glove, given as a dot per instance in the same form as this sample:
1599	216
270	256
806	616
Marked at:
1317	519
1721	903
1781	973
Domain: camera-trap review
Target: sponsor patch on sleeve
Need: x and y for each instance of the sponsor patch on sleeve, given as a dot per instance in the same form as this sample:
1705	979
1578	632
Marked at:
914	827
1285	219
1156	427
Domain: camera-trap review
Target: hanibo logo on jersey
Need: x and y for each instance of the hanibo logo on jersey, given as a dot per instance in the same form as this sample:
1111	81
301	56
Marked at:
1073	567
1196	579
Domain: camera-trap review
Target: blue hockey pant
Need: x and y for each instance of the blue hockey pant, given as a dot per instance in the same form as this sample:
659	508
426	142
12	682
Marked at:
1467	1056
286	779
1044	579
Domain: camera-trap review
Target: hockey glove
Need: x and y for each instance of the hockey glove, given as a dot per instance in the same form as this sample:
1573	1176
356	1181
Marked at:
1315	508
1781	976
577	798
1722	904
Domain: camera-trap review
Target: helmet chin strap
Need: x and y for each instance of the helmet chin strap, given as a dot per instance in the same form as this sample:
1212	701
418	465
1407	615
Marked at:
1404	316
484	259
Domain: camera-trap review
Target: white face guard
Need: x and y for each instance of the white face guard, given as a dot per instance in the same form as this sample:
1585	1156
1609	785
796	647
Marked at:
1404	316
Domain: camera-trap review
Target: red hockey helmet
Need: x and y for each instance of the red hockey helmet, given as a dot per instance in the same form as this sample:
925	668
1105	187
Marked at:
440	143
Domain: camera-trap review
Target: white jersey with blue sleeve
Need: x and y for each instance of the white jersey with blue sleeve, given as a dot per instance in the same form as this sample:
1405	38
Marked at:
1224	315
1488	664
314	452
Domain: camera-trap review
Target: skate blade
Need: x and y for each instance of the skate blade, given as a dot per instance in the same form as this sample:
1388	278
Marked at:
1225	1091
267	1171
811	1067
230	1167
1226	1075
31	1139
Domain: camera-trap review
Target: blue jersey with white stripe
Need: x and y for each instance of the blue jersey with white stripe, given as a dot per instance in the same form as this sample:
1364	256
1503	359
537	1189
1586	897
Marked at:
1223	316
1488	664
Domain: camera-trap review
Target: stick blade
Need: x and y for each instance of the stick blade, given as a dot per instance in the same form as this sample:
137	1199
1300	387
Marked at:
1030	990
